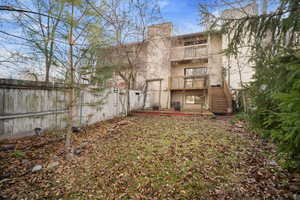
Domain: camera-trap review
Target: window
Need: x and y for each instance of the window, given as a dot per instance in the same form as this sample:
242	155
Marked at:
195	71
194	99
193	79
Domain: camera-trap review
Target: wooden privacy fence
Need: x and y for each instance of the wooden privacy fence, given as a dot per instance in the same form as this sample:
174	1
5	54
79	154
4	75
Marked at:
26	105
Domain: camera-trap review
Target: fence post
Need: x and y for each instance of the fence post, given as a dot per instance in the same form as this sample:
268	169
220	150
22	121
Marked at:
81	102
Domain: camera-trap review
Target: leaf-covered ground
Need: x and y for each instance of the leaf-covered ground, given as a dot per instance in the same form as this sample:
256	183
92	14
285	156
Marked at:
148	157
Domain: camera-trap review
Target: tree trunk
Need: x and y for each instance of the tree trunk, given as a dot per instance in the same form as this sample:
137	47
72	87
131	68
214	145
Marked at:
145	95
128	101
68	144
242	86
244	102
71	92
47	72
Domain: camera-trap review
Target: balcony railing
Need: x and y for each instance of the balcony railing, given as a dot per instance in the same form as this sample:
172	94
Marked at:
188	82
189	52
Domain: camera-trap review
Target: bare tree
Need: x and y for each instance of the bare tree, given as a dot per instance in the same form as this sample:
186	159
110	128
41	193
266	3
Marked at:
16	63
39	28
66	34
83	34
127	22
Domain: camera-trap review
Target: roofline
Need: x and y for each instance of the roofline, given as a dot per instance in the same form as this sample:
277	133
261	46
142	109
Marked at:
188	35
172	37
195	34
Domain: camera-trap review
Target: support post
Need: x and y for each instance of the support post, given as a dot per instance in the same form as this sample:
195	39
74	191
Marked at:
160	94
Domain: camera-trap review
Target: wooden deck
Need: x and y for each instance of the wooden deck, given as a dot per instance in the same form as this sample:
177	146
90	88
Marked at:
172	112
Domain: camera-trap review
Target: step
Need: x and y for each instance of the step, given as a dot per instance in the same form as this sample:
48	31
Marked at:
220	105
220	102
220	108
219	111
219	99
224	108
218	96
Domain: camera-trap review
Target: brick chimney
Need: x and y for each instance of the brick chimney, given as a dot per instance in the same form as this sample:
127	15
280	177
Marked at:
160	30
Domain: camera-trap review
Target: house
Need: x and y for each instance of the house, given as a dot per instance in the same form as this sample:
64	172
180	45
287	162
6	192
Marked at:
188	71
185	70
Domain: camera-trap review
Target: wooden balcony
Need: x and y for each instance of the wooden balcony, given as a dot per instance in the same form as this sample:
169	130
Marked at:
189	52
188	82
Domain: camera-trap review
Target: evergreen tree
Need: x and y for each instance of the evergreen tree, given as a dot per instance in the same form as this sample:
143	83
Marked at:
275	91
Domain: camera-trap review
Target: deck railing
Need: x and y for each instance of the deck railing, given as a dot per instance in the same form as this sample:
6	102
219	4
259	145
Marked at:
189	52
188	82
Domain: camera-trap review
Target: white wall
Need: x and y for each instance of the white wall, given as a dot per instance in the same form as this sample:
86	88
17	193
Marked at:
239	68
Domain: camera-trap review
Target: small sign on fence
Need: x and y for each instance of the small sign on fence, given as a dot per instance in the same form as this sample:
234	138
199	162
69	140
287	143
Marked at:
116	90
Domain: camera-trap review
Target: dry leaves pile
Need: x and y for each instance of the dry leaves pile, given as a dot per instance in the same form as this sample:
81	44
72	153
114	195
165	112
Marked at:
145	157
